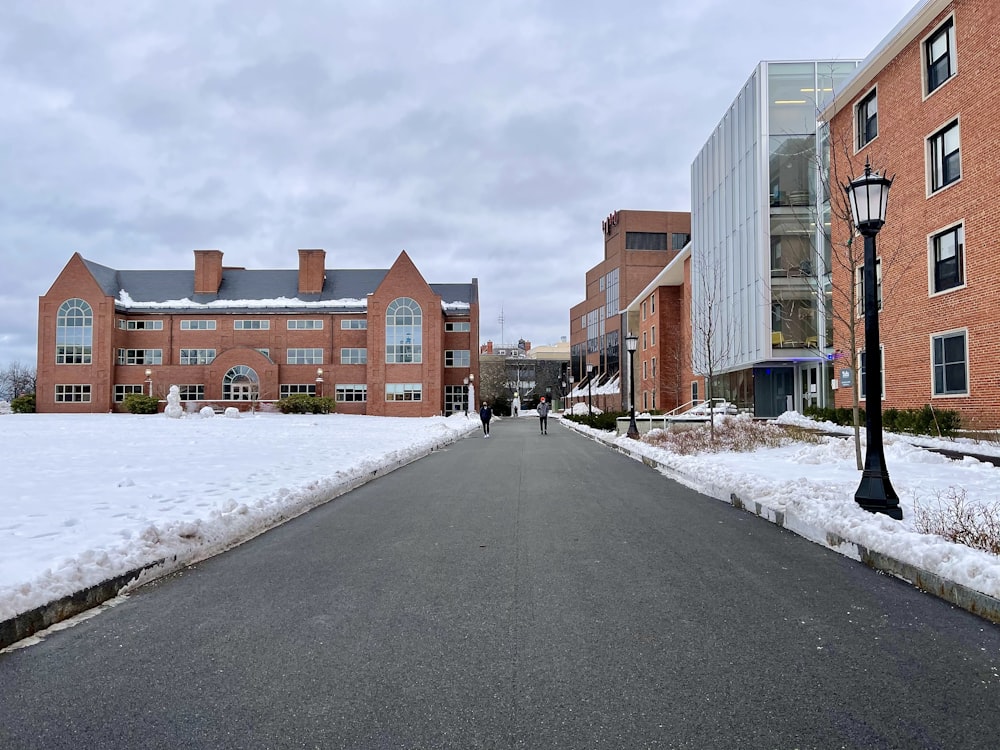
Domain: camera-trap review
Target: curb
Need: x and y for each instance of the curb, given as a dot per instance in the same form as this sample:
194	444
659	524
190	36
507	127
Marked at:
26	624
976	602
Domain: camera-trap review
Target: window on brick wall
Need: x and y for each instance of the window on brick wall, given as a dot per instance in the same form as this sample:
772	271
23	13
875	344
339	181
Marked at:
866	119
944	156
939	55
950	363
862	372
947	256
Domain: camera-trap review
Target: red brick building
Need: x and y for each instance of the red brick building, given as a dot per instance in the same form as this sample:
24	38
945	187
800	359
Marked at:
381	342
637	246
921	107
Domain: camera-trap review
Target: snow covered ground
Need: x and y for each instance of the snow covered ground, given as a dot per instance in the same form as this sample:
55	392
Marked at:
89	497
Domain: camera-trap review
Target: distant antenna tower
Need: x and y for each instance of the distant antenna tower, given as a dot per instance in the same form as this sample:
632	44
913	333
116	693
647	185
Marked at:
500	321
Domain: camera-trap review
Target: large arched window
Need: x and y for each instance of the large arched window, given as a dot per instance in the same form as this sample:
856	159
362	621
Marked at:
240	384
403	331
74	333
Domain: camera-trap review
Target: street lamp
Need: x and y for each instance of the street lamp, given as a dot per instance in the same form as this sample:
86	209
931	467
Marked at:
631	342
869	198
149	380
590	401
319	381
465	381
572	380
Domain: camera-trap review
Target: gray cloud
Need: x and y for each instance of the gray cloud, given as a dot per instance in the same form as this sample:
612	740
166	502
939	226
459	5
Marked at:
487	139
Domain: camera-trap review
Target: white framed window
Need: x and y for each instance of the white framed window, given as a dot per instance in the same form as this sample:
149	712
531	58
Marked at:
66	394
354	324
944	157
293	389
404	333
652	303
458	327
866	119
196	356
296	324
140	356
940	60
351	392
947	259
194	392
140	325
198	325
456	399
353	356
121	391
644	310
252	325
950	363
863	369
456	358
304	356
653	367
74	333
404	392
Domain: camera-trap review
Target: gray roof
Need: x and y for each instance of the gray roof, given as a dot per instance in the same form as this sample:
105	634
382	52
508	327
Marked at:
344	290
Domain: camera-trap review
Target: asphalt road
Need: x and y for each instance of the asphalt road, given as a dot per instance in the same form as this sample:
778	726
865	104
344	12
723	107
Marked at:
525	591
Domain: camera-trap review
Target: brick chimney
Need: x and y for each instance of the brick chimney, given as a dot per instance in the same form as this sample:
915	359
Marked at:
207	271
312	271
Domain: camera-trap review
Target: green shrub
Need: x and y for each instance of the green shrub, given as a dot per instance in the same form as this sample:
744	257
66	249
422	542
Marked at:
23	404
303	403
139	403
924	421
608	421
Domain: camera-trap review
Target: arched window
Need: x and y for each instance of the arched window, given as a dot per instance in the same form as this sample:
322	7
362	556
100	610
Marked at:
74	333
403	331
240	384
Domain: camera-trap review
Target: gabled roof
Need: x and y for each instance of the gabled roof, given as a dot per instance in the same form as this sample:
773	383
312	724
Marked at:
243	291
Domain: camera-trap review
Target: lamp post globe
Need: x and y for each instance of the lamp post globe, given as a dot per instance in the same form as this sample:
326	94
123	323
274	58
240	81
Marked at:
631	342
869	199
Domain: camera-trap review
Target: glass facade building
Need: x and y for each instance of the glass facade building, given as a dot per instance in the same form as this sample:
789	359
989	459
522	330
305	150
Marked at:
760	224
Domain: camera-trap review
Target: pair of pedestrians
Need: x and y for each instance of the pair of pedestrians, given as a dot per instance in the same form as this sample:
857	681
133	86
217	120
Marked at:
486	414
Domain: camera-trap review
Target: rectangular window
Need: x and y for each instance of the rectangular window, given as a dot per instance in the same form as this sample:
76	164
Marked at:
197	325
652	304
939	55
251	325
862	372
456	399
653	367
694	391
353	324
192	392
305	325
304	357
351	392
644	310
140	356
644	376
462	327
645	240
652	336
947	259
353	356
404	392
73	355
867	119
456	358
123	390
66	394
860	279
197	356
944	153
678	240
950	363
140	325
293	389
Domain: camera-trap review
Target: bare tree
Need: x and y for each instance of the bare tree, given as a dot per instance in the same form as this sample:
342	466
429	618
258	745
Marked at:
16	380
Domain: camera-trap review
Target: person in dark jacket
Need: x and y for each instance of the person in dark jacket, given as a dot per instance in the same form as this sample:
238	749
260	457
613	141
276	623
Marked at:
486	414
543	415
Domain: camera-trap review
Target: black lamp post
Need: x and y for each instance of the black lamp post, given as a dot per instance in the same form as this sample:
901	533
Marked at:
631	342
590	401
869	198
319	382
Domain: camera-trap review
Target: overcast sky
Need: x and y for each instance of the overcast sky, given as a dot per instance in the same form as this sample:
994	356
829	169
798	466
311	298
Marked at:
487	138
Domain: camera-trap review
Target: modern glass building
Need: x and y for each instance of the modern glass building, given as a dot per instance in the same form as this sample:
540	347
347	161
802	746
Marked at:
760	228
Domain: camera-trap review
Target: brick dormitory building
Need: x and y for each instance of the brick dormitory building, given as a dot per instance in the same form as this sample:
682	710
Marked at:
381	342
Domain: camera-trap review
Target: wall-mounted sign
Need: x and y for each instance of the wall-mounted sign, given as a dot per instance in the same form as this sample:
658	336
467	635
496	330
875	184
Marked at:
845	377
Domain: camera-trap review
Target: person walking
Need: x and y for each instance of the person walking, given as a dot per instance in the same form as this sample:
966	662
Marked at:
543	416
486	414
